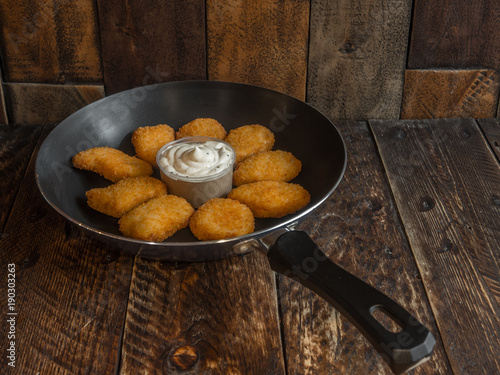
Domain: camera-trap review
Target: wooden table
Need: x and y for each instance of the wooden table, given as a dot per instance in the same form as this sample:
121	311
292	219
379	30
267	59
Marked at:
417	215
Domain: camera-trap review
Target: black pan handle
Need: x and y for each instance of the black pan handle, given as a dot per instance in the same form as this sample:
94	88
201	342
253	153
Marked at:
296	255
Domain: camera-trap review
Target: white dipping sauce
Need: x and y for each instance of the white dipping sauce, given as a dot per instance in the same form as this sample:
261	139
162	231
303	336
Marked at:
197	168
196	159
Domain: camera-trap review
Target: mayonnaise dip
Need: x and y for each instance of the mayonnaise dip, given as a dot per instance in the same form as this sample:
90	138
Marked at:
197	168
196	159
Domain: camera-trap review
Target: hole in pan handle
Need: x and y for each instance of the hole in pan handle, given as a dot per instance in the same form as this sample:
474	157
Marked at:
296	255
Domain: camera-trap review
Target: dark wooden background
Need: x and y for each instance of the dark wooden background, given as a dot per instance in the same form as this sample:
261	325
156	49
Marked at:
353	60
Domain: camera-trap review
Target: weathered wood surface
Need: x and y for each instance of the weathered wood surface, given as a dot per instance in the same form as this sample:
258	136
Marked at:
259	42
357	54
431	244
47	104
358	228
450	94
215	317
455	34
145	43
70	292
445	181
16	146
491	130
51	41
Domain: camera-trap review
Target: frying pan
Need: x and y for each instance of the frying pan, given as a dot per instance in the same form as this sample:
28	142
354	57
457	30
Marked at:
298	128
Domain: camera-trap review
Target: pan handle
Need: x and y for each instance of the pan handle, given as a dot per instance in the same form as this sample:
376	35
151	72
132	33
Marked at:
296	255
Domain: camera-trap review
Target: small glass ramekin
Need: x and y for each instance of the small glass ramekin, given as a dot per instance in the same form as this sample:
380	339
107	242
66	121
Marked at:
198	190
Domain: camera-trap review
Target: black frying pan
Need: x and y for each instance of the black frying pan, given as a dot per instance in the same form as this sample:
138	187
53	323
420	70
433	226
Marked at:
298	128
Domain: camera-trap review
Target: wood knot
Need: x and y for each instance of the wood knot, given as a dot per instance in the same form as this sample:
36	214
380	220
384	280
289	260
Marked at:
446	247
399	134
110	257
30	260
348	48
373	205
184	357
496	201
426	204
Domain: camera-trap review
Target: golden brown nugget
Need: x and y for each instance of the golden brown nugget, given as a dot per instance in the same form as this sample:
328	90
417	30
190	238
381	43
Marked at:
271	198
202	127
221	218
157	219
268	165
119	198
148	140
248	140
111	163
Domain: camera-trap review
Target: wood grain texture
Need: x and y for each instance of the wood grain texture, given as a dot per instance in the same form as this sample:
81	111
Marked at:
47	104
203	318
260	42
358	228
491	130
144	44
71	292
446	190
54	41
450	94
357	55
3	108
16	146
455	34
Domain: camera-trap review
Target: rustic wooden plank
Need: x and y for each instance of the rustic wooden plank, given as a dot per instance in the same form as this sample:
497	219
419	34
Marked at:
358	228
50	41
455	34
357	54
445	181
203	318
259	42
70	292
47	104
144	44
491	130
450	93
16	146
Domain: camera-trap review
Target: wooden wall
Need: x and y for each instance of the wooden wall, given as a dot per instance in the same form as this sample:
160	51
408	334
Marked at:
351	59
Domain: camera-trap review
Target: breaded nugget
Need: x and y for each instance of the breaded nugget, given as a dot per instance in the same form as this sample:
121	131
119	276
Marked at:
111	163
221	218
271	198
268	165
147	140
202	127
157	219
248	140
119	198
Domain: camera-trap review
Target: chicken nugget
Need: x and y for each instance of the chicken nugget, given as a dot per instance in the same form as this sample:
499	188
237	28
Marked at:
248	140
147	140
221	218
268	165
271	198
157	219
111	163
119	198
202	127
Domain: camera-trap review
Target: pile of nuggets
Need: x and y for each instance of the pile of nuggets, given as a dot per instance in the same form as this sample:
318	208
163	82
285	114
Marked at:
147	212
